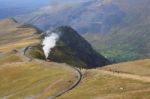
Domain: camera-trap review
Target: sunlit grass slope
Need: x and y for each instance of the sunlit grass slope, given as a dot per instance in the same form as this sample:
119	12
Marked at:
141	67
97	85
10	58
24	79
21	79
12	36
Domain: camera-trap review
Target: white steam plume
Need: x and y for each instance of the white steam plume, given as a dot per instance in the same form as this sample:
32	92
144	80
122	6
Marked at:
49	42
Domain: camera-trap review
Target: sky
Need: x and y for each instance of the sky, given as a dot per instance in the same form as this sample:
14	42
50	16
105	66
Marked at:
35	3
16	7
23	3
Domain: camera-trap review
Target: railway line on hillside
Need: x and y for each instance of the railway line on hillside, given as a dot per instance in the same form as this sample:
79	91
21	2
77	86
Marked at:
62	92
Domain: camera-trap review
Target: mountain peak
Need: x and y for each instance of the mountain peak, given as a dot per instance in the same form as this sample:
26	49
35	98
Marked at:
77	47
73	49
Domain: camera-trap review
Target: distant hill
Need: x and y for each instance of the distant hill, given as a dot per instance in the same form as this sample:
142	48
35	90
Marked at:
130	40
92	16
96	16
129	43
117	28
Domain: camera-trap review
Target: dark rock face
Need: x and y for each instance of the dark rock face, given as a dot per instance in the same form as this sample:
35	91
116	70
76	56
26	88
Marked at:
73	49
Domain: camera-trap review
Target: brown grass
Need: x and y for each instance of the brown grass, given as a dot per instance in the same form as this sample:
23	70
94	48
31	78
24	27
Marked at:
10	58
97	85
20	80
141	67
12	37
17	45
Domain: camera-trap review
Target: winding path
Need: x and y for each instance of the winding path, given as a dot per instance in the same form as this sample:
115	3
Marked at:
125	75
69	88
60	93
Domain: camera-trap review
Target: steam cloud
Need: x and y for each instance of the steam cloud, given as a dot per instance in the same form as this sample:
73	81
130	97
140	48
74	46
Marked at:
49	42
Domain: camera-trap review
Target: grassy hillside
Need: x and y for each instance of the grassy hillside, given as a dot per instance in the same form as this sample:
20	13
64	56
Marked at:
31	79
20	78
14	37
97	84
141	67
10	58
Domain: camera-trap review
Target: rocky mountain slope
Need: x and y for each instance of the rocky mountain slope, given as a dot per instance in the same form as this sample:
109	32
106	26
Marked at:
73	49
